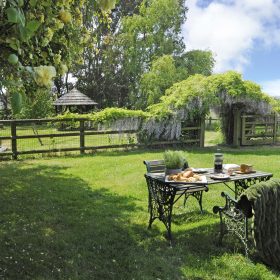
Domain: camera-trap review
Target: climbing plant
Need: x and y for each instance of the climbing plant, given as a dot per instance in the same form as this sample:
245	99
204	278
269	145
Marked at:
233	93
193	98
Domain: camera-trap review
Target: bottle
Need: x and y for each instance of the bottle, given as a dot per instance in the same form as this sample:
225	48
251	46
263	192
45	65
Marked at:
218	162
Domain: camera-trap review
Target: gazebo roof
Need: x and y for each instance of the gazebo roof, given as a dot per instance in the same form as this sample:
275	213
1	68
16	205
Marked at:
74	97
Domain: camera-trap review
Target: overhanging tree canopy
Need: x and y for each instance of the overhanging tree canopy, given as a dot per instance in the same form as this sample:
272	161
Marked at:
40	40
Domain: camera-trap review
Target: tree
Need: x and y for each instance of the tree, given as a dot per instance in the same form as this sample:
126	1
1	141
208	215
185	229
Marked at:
101	76
40	40
196	62
152	33
34	105
166	70
162	75
140	31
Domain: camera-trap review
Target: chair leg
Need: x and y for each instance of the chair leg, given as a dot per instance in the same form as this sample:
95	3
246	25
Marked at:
222	229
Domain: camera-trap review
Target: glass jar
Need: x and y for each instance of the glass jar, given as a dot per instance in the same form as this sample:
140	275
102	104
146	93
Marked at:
218	162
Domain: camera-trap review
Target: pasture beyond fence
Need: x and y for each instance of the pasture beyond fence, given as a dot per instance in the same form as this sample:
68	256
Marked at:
20	137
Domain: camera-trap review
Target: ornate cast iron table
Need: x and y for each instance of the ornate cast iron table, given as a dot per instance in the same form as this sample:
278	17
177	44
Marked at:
162	194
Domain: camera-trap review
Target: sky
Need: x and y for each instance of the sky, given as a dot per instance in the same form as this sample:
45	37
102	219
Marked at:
244	35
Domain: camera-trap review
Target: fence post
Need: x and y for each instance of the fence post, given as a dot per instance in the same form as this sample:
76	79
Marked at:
236	128
275	129
82	136
202	132
243	130
14	139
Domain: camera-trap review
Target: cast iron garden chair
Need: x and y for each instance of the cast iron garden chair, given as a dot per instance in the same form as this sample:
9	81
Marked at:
261	202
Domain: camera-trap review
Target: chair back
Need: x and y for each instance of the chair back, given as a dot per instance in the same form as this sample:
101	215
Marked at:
155	166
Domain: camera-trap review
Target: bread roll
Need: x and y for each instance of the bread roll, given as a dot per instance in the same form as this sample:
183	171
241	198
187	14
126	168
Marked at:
188	174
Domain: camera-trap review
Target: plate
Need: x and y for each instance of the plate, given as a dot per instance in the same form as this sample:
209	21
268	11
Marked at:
199	170
203	181
249	172
220	176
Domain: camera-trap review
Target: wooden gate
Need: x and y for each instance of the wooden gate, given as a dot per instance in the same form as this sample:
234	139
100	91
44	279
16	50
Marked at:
259	129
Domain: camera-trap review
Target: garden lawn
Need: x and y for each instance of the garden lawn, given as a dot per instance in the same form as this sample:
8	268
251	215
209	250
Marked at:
85	217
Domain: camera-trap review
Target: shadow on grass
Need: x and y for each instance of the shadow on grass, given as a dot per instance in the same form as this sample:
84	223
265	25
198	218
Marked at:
54	226
249	150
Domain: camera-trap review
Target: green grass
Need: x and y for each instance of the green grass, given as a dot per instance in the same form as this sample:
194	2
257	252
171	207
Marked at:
48	143
85	217
213	138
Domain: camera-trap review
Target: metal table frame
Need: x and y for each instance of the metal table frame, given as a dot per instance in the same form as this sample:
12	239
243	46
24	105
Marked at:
162	194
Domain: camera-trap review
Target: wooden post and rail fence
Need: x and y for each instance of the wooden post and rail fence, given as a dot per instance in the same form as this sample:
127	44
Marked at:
250	130
20	137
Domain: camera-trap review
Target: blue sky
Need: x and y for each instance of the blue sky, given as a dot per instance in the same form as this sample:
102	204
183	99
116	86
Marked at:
244	35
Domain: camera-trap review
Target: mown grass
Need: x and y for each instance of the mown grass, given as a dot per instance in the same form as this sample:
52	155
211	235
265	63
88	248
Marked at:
85	217
48	143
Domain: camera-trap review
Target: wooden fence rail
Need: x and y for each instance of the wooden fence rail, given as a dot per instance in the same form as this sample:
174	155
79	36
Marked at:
259	129
19	137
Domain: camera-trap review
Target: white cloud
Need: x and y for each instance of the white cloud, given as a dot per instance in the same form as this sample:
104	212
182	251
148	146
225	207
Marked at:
231	29
271	87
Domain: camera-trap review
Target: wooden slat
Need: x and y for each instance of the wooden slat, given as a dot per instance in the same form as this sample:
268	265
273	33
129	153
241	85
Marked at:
42	120
190	128
109	132
260	123
48	135
65	134
259	135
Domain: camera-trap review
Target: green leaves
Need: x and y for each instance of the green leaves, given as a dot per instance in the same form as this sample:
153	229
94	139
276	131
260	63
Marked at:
20	3
15	15
33	25
16	102
163	74
13	59
111	114
26	32
106	5
174	159
12	14
33	3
